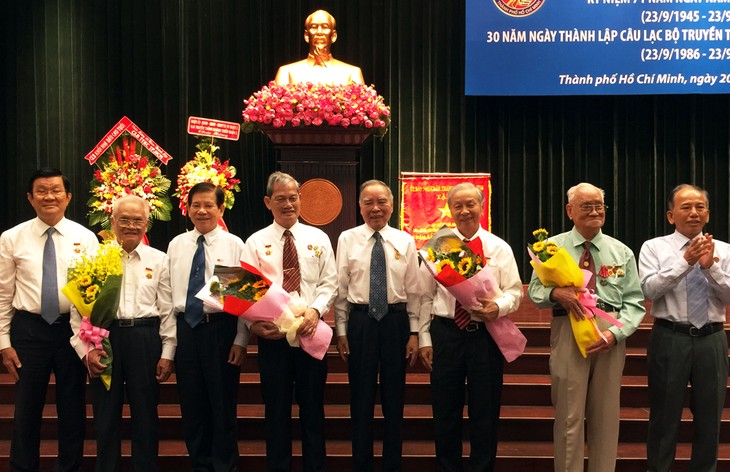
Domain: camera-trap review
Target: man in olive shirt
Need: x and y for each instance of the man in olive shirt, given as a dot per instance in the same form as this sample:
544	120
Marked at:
589	388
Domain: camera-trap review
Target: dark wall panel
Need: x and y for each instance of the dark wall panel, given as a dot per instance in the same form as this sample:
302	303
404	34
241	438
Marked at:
72	68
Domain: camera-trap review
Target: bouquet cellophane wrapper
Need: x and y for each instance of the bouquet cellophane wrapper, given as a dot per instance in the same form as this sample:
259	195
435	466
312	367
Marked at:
506	334
562	271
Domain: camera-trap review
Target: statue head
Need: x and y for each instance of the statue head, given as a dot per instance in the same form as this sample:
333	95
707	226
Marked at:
319	67
319	31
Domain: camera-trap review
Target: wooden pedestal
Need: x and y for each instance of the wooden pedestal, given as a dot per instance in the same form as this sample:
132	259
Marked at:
325	161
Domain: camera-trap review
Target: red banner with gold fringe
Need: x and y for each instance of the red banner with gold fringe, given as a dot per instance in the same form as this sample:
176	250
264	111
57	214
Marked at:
423	206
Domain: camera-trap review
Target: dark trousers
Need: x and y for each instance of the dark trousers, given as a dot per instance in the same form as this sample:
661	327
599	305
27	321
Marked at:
42	349
377	346
208	387
460	356
285	371
136	351
674	360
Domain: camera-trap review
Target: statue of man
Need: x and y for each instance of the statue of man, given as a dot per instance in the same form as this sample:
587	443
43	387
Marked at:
319	66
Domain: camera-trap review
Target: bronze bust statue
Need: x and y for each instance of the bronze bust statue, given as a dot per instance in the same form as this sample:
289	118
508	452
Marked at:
319	66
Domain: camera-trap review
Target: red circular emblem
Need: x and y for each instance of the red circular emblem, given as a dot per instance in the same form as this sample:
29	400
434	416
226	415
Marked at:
321	202
519	7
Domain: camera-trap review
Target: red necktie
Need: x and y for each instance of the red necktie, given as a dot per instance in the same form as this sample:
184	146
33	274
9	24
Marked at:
586	262
461	316
292	275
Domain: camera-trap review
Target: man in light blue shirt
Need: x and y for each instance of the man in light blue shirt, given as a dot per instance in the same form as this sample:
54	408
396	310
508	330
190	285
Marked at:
688	343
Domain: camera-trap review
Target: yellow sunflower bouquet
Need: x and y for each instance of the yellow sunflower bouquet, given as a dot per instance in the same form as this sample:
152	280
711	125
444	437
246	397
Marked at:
244	291
94	285
464	271
235	289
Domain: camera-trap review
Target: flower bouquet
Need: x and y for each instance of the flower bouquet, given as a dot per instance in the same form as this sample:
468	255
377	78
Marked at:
555	268
245	292
128	169
463	270
206	167
94	285
308	104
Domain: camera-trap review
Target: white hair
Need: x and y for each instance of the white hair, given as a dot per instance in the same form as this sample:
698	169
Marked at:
583	185
131	199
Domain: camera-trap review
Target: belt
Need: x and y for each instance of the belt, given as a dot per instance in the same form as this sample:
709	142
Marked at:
688	329
471	327
210	317
601	305
63	317
391	306
132	322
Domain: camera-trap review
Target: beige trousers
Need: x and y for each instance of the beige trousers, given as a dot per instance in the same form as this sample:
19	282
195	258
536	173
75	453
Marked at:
584	389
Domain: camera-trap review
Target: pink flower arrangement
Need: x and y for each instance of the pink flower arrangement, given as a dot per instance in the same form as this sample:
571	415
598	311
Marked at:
308	104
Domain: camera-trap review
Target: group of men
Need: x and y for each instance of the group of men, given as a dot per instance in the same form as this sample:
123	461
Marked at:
686	275
388	313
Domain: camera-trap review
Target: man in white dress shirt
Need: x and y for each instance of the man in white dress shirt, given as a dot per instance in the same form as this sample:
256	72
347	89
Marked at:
212	346
143	344
686	274
34	339
377	346
458	354
285	369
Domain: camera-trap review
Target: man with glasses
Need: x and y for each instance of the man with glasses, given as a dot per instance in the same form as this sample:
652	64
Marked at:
34	322
687	276
143	340
588	389
300	258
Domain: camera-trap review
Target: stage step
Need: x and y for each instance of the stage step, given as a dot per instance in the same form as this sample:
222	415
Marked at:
418	456
525	426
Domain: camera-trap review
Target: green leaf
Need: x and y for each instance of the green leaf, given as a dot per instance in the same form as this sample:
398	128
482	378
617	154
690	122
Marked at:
107	302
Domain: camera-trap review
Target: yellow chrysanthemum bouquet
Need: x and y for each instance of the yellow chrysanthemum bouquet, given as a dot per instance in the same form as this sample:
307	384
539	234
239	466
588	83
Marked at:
94	285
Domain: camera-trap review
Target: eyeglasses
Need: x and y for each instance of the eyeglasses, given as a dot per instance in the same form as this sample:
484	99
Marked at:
126	222
598	208
44	192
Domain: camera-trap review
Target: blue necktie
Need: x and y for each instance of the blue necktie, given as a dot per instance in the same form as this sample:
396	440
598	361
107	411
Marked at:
193	305
697	302
378	280
49	287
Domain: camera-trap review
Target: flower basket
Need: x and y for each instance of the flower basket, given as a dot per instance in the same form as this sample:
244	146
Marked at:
317	106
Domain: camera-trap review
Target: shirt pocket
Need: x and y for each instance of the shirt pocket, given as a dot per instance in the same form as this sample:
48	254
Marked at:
611	287
146	292
309	268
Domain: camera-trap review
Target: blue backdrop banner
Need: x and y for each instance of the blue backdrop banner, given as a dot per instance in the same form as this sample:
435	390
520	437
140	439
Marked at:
597	47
